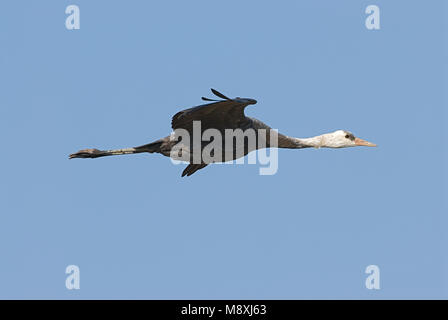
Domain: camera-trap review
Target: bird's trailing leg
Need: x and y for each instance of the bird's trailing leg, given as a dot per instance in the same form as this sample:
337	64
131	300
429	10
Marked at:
95	153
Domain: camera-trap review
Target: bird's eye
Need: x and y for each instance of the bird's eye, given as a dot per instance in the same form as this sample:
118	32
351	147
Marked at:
347	136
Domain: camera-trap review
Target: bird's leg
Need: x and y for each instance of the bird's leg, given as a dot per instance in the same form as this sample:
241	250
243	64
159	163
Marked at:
95	153
155	146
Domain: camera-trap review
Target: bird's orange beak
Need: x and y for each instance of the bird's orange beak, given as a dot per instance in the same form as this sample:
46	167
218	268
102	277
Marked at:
360	142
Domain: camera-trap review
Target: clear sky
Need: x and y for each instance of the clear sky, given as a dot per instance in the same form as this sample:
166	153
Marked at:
136	229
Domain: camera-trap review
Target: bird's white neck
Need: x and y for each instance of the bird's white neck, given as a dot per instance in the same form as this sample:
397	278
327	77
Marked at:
298	143
312	142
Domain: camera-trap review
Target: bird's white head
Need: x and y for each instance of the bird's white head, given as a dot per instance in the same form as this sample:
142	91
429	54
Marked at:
342	139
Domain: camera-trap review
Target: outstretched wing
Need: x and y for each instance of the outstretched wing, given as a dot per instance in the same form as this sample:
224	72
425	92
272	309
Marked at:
220	114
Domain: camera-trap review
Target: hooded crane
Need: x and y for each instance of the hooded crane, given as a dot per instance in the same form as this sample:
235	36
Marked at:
223	115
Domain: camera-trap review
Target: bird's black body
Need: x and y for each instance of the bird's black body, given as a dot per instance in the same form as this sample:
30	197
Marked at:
218	115
165	146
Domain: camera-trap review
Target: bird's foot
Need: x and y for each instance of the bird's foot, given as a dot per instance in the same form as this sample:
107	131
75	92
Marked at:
86	153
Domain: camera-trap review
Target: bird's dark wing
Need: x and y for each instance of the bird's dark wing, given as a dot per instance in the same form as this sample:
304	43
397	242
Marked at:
220	115
192	168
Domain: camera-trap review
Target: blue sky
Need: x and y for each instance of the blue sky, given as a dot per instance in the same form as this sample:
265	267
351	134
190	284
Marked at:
136	229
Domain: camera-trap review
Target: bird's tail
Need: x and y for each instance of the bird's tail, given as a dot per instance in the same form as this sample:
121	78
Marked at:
95	153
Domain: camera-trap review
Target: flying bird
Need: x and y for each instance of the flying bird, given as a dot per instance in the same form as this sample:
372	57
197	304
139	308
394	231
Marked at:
221	115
